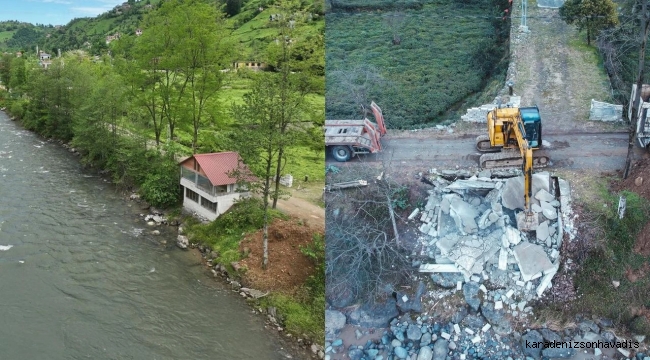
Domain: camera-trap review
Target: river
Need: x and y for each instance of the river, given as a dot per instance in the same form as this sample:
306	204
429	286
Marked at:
82	278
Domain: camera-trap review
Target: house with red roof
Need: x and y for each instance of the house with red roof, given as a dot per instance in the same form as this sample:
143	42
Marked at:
209	182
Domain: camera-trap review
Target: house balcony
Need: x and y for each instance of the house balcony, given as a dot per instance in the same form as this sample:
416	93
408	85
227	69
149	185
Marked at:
201	184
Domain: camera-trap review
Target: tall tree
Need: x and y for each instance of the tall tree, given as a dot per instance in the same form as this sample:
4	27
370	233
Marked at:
590	15
292	87
257	140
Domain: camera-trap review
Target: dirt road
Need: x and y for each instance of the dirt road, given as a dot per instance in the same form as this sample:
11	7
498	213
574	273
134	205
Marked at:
582	151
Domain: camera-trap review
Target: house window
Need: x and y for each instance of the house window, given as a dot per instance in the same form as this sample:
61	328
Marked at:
212	206
220	189
191	195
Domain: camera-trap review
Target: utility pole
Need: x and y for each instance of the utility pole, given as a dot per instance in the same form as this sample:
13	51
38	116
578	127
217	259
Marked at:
639	85
524	9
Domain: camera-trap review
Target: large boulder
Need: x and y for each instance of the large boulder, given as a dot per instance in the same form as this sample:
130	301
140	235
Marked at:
532	343
440	349
182	241
496	318
334	322
425	353
374	316
470	291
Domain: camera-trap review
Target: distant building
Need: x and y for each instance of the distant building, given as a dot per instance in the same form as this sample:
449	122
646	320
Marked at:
110	38
251	65
209	187
19	54
138	32
43	56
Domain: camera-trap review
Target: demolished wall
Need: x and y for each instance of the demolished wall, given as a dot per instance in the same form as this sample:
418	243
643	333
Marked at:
468	234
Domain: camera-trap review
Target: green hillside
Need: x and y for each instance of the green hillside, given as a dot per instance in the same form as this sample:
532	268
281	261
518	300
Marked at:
447	51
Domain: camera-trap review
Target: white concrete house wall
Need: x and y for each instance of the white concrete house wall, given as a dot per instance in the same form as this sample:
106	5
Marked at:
224	200
208	189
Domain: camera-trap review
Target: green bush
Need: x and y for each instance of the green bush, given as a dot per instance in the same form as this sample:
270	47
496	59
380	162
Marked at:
160	187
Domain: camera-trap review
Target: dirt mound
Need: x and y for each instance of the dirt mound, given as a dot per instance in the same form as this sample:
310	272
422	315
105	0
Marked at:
288	267
638	179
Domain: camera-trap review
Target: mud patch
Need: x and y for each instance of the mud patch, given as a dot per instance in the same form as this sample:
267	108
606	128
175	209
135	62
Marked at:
640	273
288	267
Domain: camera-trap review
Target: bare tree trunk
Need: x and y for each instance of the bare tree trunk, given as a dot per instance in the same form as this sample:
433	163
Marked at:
639	84
392	218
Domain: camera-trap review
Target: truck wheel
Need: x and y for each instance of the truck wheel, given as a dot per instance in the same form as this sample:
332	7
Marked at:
341	153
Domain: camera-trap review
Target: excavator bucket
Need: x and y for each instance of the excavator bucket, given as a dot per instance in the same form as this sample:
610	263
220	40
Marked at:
527	221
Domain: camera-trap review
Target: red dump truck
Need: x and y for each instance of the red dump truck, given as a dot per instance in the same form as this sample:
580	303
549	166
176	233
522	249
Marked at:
346	138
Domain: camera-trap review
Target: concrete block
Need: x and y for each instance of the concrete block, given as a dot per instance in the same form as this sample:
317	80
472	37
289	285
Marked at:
503	259
510	293
445	336
548	210
531	259
498	305
469	331
476	339
464	215
470	185
457	328
442	268
536	208
486	327
459	285
542	231
543	195
512	196
475	278
414	214
546	281
483	288
602	111
513	235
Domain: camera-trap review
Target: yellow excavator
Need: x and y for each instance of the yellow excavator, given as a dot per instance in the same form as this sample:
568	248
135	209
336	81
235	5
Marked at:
513	134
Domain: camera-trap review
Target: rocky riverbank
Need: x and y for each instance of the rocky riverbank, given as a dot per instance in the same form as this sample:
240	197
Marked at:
480	279
296	347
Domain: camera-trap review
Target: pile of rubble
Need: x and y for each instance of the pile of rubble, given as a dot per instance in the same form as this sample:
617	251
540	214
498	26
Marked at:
469	235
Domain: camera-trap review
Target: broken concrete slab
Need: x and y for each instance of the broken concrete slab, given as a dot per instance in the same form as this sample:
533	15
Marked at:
513	191
471	253
548	210
470	185
546	280
532	260
536	208
503	259
512	235
464	215
446	202
542	231
488	218
447	243
543	195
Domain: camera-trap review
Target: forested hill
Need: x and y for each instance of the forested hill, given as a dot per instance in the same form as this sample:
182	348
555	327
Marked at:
249	21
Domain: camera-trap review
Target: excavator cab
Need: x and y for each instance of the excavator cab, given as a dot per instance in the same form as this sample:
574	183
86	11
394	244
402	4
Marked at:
532	125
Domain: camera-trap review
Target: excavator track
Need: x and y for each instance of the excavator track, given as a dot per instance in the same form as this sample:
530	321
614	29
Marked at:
512	158
483	144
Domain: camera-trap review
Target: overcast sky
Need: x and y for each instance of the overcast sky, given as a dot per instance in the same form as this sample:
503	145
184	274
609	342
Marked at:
55	12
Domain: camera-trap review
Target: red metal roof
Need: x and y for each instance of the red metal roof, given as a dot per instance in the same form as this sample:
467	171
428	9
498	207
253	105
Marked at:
218	166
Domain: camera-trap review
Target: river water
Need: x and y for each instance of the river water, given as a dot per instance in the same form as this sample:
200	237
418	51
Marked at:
83	279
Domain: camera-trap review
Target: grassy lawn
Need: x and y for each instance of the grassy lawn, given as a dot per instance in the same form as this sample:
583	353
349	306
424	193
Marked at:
5	35
614	259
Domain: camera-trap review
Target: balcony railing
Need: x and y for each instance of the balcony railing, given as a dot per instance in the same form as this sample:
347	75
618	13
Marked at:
203	182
